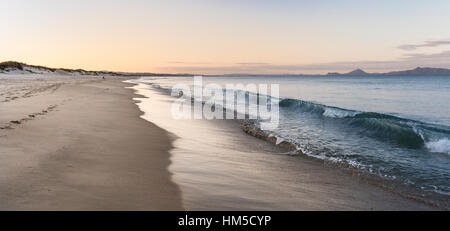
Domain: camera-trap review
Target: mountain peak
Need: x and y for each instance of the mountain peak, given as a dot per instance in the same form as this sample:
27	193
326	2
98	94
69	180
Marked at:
357	72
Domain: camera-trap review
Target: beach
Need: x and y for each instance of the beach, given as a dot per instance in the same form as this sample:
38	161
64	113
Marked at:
77	143
82	143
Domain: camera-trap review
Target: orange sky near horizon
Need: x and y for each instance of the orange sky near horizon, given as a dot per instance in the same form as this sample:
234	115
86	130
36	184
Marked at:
216	37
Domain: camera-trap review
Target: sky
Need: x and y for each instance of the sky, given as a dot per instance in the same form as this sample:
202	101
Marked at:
227	36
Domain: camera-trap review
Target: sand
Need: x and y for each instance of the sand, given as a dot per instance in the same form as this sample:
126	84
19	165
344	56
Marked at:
79	144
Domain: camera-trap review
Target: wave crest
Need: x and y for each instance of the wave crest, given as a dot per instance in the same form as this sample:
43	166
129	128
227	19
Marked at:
441	146
405	132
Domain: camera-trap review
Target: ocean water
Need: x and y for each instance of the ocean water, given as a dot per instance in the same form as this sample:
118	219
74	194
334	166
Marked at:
393	127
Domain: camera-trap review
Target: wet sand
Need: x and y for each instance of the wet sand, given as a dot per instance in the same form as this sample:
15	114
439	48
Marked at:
79	144
220	167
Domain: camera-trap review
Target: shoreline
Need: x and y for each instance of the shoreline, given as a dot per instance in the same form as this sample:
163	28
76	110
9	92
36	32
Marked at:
90	151
429	198
317	185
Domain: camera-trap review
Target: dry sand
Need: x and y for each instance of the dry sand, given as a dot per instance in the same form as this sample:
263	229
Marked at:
79	144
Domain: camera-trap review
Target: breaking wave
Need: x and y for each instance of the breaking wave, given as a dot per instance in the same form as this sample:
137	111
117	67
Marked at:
405	132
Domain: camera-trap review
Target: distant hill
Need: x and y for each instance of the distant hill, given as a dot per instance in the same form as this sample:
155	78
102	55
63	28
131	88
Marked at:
357	72
424	71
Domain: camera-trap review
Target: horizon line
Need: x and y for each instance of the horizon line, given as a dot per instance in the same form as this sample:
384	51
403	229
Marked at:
329	73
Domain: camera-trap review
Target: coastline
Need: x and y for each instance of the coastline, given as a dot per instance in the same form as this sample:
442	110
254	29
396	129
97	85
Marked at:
220	167
81	145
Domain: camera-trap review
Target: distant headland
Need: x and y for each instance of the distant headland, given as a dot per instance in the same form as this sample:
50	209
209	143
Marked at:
414	72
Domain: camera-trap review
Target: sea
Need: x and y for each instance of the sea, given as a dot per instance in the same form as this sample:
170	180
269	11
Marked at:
392	128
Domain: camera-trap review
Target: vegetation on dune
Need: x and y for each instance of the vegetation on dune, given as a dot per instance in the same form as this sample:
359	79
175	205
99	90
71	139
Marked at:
11	64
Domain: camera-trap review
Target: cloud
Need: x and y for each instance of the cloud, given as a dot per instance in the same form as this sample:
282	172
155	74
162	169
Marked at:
190	63
408	61
409	47
252	64
420	56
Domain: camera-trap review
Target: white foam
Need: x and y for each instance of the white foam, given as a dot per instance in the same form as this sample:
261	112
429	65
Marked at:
442	145
337	113
279	140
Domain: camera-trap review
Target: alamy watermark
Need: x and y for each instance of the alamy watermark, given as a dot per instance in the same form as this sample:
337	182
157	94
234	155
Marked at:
232	101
